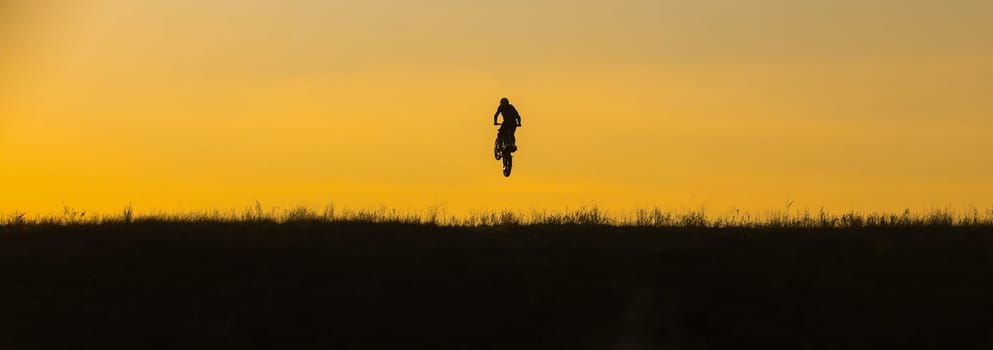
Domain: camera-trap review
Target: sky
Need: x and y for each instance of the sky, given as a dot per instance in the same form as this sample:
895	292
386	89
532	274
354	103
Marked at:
179	105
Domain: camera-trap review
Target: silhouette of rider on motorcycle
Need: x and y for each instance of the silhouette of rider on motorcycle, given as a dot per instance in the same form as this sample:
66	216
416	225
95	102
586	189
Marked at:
511	121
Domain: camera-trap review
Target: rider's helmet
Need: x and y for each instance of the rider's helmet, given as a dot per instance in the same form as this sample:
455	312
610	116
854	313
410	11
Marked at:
504	101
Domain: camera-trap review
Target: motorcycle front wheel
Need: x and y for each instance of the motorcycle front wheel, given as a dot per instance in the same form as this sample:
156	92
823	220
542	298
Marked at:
508	162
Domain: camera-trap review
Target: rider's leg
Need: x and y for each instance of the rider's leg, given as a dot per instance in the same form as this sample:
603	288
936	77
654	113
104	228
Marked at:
508	134
496	147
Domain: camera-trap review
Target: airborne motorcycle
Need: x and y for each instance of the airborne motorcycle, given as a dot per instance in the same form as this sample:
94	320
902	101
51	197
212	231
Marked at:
503	149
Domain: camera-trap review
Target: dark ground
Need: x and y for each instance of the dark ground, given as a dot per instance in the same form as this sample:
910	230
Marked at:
323	286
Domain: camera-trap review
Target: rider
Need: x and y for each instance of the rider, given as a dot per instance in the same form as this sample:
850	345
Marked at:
511	120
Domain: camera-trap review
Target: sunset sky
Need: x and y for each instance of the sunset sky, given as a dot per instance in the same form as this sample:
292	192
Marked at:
179	105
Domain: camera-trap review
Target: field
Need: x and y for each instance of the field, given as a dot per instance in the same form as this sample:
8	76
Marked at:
382	280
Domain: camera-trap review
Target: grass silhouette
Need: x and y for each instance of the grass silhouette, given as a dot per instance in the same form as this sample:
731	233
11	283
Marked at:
586	215
584	279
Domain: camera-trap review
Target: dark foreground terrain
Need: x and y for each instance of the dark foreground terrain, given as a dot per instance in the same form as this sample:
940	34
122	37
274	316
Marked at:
341	285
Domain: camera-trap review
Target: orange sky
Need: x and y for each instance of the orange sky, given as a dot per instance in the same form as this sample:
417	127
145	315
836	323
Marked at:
182	105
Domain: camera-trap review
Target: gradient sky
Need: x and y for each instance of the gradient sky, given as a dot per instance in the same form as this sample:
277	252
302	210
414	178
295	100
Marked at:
181	105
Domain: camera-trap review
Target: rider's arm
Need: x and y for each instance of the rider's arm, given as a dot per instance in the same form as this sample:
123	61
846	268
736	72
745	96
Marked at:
495	116
518	120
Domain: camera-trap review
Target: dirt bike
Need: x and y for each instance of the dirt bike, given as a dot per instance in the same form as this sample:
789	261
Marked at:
502	149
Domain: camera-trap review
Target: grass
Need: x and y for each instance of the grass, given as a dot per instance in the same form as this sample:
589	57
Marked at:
587	215
581	279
